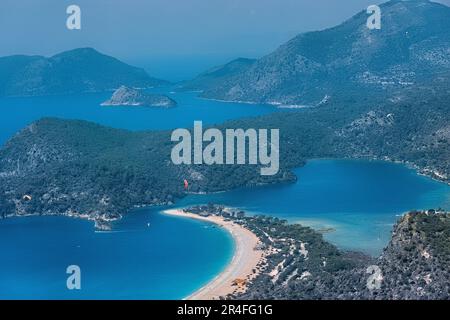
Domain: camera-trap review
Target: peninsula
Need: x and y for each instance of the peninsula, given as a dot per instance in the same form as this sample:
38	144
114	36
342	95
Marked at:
278	260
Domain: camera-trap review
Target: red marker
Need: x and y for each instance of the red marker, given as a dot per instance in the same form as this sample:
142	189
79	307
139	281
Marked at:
186	184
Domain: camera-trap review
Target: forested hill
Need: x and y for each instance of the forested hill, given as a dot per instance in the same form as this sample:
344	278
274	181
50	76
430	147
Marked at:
414	265
75	71
76	167
80	168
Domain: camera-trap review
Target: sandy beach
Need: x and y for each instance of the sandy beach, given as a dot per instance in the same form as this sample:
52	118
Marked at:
244	262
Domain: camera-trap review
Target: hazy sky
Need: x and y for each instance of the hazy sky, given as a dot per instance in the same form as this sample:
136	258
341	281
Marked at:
163	30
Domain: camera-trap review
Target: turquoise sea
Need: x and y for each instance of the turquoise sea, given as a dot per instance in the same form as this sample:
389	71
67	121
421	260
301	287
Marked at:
153	256
360	200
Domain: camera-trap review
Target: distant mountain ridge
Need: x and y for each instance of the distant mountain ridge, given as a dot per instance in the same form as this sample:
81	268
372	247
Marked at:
412	47
74	71
215	76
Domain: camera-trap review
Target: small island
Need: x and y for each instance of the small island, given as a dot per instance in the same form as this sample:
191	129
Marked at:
125	96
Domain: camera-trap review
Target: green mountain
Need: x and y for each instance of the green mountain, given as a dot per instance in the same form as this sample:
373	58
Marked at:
75	71
411	48
80	168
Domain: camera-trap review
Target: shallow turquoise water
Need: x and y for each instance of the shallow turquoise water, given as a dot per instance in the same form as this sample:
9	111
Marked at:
360	199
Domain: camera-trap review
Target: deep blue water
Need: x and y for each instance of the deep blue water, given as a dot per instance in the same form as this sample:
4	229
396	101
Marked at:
173	257
168	260
19	112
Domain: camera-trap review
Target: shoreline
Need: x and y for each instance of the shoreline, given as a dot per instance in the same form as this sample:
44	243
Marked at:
240	270
422	172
